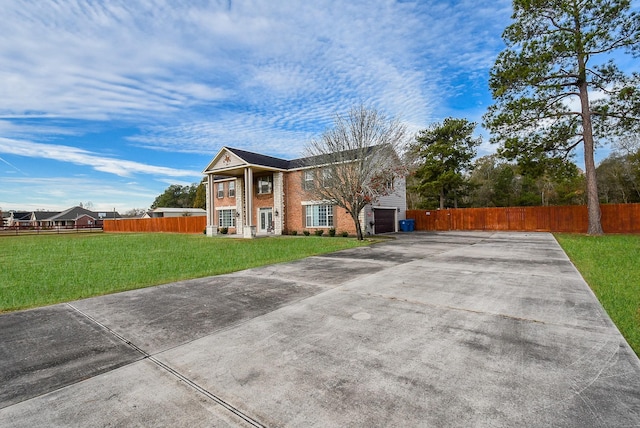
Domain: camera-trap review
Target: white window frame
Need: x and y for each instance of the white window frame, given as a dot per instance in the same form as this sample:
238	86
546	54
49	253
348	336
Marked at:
319	215
220	190
227	217
265	185
232	189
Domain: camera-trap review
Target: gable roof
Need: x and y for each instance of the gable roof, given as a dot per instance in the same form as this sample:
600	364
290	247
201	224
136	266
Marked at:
246	158
343	156
72	214
21	215
44	215
258	159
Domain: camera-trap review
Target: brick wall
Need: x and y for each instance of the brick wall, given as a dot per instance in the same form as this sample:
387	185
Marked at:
294	211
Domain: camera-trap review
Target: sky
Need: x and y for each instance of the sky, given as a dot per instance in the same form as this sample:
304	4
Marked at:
107	103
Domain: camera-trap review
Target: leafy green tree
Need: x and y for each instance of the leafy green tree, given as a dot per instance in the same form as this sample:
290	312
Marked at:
176	196
506	189
200	198
498	183
493	180
558	53
445	152
619	179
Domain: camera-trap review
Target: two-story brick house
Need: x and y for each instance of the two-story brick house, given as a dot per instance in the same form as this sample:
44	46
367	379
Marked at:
275	200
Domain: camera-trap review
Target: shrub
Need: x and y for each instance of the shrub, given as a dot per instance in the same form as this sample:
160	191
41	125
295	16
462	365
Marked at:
306	232
332	232
224	230
345	234
294	232
319	232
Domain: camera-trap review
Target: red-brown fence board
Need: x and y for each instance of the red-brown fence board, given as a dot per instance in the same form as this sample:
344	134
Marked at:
616	218
162	224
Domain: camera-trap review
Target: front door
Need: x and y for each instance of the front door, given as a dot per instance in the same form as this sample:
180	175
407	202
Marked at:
265	220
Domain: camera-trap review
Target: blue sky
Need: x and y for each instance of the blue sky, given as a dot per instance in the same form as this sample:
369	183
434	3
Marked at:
110	102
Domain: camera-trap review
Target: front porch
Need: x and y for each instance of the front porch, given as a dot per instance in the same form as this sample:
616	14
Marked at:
244	198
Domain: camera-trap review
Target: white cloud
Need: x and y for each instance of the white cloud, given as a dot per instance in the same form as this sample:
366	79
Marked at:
152	60
119	167
59	193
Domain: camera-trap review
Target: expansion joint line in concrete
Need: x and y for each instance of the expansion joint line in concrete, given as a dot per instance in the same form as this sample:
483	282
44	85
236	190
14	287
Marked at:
209	395
110	331
172	371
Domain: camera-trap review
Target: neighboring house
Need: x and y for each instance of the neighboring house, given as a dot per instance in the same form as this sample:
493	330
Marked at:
19	219
275	202
175	212
73	217
41	218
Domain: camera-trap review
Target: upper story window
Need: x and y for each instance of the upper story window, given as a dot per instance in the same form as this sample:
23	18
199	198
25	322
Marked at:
265	185
232	189
220	190
327	177
307	180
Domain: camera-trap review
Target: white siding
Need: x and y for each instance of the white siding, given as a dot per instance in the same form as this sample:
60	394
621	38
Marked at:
396	200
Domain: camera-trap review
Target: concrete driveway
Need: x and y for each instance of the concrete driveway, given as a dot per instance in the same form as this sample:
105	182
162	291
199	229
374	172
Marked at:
430	329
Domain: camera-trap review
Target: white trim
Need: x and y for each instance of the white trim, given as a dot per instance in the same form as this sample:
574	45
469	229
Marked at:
322	202
265	210
326	217
395	217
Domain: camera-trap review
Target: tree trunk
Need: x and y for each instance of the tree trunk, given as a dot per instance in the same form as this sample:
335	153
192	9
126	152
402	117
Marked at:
593	203
441	199
356	222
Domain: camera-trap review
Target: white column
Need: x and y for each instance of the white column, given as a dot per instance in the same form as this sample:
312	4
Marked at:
278	201
240	206
212	228
249	229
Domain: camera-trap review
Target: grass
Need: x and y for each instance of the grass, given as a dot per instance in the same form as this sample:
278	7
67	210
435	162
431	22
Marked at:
611	266
42	270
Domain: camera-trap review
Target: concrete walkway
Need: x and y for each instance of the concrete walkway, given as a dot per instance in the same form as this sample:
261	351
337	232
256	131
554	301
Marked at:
431	329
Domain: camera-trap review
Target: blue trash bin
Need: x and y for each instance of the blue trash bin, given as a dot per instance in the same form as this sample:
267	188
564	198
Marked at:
411	224
404	226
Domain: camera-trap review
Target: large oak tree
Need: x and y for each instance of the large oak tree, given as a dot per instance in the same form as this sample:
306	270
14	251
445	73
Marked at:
556	85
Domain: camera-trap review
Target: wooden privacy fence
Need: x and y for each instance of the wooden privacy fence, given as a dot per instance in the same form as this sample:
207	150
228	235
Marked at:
161	224
616	218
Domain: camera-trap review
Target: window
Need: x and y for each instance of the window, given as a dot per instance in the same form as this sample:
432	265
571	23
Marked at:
307	178
319	215
265	185
232	189
220	190
226	218
327	176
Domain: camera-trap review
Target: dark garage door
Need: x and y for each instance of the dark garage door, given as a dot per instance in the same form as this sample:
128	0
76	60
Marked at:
384	220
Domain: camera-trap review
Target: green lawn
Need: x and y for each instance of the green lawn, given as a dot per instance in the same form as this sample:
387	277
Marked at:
47	269
611	266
